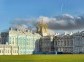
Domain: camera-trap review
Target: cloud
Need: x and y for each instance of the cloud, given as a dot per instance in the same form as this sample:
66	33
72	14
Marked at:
61	22
23	23
65	22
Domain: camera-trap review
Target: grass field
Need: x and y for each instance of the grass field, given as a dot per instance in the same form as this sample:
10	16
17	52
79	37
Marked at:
43	58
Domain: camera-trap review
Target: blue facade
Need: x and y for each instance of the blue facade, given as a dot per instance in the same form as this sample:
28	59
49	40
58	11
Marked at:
25	42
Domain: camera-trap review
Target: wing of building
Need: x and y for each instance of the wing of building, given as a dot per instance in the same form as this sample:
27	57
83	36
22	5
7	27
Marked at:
70	43
25	41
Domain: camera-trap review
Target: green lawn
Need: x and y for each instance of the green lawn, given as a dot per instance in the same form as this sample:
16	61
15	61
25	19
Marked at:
43	58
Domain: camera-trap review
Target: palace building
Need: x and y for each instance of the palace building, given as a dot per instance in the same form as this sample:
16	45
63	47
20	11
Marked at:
25	40
21	41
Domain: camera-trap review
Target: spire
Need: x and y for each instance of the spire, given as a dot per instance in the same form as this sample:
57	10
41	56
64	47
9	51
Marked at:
42	28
